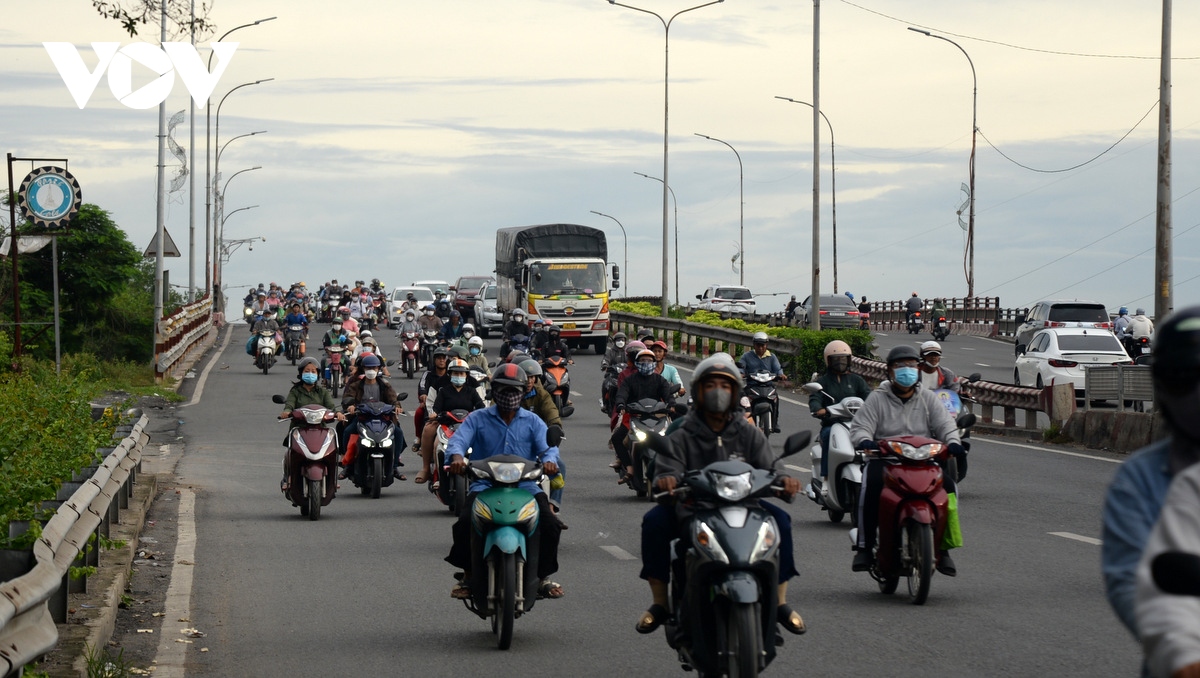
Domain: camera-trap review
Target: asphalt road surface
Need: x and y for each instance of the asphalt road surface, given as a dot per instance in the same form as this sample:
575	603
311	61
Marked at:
364	591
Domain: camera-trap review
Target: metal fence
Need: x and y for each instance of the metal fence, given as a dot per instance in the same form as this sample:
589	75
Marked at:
180	333
1122	383
30	605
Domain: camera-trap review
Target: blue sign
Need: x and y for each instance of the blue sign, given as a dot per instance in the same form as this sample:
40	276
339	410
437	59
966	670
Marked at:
50	197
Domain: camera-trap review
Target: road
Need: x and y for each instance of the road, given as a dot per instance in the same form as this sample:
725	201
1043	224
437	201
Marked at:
364	591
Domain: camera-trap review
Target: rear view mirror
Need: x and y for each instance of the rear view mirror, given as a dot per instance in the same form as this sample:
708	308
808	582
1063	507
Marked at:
965	420
975	376
278	399
796	443
813	387
401	396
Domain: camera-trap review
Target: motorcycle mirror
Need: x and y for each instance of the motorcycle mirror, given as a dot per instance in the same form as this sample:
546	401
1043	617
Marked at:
975	376
401	396
389	363
795	443
278	399
492	363
965	420
1177	573
813	387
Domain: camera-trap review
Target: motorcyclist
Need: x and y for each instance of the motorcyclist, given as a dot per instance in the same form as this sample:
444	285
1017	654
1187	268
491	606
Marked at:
644	335
306	391
475	357
360	310
348	322
900	406
433	379
429	320
938	310
913	305
1140	327
864	314
615	353
516	325
713	431
260	305
554	345
668	372
1121	324
464	336
265	321
370	347
790	311
370	387
762	360
539	337
453	328
933	375
539	401
410	301
442	304
837	384
643	383
505	428
409	323
457	393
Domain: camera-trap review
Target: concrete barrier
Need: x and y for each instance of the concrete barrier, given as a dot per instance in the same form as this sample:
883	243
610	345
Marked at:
1117	431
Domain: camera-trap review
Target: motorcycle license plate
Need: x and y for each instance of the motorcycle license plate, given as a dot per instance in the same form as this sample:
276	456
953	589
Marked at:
568	326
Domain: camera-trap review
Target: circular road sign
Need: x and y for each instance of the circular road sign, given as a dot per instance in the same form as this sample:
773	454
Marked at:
50	197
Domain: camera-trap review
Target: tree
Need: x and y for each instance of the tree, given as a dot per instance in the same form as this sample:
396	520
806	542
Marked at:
132	13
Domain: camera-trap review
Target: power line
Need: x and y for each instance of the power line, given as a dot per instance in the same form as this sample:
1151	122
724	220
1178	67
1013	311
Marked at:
1068	169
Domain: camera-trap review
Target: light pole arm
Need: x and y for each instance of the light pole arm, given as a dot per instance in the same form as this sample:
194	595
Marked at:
625	239
248	169
248	134
235	212
244	84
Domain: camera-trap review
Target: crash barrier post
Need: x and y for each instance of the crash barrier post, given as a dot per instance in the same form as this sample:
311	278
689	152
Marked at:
1122	383
181	333
32	604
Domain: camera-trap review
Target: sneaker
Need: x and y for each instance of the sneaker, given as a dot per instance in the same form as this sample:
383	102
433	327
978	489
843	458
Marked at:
862	561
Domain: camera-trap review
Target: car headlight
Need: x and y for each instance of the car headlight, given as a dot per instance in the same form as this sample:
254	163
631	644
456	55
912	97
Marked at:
506	473
766	542
732	488
707	543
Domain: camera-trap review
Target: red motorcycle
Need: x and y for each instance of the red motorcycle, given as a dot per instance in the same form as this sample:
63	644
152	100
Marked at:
310	477
335	367
450	489
410	352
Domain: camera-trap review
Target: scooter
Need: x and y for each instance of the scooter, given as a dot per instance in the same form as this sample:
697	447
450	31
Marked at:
248	315
429	344
724	584
519	343
557	381
1137	347
410	351
376	456
915	323
837	494
647	417
293	339
760	389
335	367
941	328
954	405
481	384
309	479
264	358
608	386
450	489
504	568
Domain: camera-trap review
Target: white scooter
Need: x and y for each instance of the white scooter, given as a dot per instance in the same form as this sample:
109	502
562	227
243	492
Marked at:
837	494
267	348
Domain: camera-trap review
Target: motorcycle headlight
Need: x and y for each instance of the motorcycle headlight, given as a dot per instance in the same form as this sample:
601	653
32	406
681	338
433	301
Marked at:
914	453
366	442
640	435
707	543
387	442
314	417
732	488
506	473
766	542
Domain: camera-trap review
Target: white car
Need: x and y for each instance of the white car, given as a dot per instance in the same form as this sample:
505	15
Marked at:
1063	355
424	296
727	298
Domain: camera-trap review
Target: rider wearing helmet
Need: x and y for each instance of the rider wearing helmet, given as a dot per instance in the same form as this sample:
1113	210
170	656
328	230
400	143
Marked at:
442	304
1135	497
645	382
433	379
539	337
348	322
644	335
516	325
554	345
899	407
464	335
668	372
1121	324
453	327
837	384
1140	327
475	357
455	393
409	323
911	306
505	428
614	355
762	360
933	375
539	401
369	386
713	431
429	319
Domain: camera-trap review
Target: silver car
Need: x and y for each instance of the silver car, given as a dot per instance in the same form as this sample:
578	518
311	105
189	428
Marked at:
488	318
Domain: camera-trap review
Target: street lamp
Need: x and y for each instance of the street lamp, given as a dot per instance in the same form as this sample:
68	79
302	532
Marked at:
625	238
666	89
208	267
971	169
833	183
219	205
675	203
742	210
221	200
226	217
228	247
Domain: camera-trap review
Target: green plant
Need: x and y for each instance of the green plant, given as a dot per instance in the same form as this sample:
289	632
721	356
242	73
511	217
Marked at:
79	572
112	544
1054	433
100	664
32	671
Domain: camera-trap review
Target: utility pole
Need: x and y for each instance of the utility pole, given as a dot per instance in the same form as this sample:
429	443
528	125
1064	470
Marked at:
1162	228
814	318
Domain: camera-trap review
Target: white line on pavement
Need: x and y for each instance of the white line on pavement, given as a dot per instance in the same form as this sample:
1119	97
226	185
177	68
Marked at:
798	468
983	364
964	348
171	656
204	375
576	393
618	552
1077	537
1047	449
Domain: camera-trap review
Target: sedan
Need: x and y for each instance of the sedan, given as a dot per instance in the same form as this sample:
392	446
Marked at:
836	311
424	296
1064	354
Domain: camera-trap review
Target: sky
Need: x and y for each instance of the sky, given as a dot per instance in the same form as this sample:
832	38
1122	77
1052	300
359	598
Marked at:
400	135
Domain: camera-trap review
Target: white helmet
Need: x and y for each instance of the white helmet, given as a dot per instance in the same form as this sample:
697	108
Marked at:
931	347
468	327
475	341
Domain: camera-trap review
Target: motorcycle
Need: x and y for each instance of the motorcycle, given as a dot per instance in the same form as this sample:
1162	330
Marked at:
248	314
410	350
915	323
293	339
724	584
1137	347
647	417
760	388
429	343
329	310
608	387
954	405
264	357
375	460
520	343
913	512
309	477
335	367
504	577
837	494
941	328
481	384
450	489
557	381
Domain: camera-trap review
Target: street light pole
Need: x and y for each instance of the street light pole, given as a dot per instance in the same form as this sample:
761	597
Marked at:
666	98
971	167
741	213
833	184
216	176
624	238
248	169
675	204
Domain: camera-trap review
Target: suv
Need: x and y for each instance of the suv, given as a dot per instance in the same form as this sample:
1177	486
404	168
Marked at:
1062	313
727	298
488	318
465	290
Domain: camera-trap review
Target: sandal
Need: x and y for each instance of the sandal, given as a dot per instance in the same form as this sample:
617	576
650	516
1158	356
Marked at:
550	589
460	591
652	619
421	479
790	620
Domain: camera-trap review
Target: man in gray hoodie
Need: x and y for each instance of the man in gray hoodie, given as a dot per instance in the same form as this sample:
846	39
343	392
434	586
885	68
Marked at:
898	407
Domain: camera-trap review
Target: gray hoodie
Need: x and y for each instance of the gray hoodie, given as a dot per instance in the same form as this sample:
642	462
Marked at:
884	415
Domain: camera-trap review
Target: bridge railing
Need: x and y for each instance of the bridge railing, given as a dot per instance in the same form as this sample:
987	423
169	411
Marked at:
179	334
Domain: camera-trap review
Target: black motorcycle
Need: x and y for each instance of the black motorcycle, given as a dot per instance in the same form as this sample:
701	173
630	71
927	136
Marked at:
647	417
764	398
379	441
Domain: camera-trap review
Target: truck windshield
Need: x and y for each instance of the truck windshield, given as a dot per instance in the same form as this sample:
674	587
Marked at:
582	278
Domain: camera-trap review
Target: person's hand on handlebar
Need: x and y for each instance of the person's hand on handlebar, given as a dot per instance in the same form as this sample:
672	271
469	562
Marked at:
790	485
550	468
666	483
458	465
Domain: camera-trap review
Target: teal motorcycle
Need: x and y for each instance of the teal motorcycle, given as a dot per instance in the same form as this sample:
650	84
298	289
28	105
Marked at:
504	562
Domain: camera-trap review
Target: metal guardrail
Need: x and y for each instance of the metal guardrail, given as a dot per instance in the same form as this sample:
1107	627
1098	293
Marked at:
27	622
1120	383
697	340
179	333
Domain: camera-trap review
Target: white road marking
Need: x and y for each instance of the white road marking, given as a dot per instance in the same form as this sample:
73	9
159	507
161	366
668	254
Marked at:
216	358
798	468
1053	451
983	364
1077	537
170	657
618	552
964	348
576	393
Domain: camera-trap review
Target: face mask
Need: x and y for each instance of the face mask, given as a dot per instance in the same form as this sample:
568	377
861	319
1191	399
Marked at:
337	327
620	343
839	365
368	350
507	400
468	333
458	380
345	316
370	374
717	400
645	367
428	312
474	350
906	376
309	377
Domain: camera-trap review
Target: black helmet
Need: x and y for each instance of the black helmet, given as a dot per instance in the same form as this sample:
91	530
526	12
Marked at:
441	351
902	352
531	367
619	335
1177	350
719	365
643	333
509	374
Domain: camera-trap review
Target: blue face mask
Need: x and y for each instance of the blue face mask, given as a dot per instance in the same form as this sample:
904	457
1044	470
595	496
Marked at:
458	380
474	350
309	377
906	376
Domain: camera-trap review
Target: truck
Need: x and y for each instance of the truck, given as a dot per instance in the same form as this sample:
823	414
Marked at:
559	273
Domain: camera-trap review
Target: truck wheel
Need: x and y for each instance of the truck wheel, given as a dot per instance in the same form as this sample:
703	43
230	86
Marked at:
601	346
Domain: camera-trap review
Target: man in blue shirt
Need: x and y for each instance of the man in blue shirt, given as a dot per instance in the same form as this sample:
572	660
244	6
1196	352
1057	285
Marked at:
762	360
506	429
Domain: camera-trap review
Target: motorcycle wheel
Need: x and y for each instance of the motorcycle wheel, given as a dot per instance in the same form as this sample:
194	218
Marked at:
376	477
314	499
835	516
266	367
506	594
336	382
920	555
764	423
410	367
460	495
743	640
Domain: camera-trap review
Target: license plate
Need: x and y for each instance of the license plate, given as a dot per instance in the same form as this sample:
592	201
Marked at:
837	314
568	326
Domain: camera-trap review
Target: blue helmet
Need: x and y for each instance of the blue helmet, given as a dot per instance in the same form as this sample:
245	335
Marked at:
1123	311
